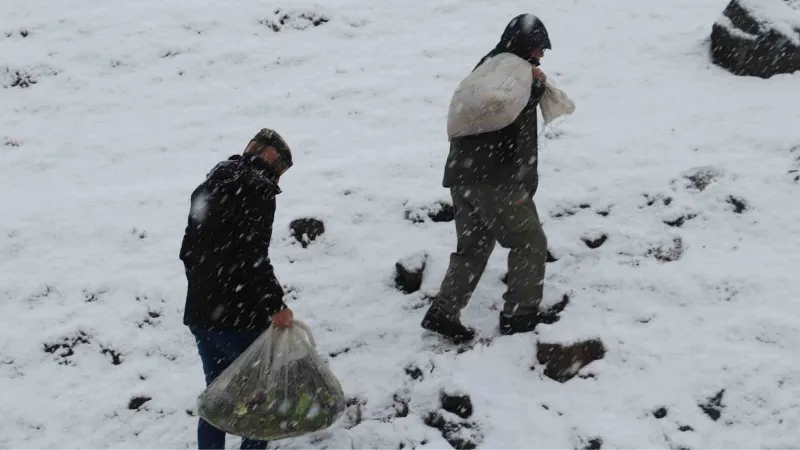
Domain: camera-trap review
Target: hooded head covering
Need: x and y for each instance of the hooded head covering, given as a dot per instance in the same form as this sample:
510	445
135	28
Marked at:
271	138
522	35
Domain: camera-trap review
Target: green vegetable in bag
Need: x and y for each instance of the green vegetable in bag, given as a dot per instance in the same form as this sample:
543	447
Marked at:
278	388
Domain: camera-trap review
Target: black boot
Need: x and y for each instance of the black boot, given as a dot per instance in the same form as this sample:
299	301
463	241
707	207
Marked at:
524	323
521	323
438	322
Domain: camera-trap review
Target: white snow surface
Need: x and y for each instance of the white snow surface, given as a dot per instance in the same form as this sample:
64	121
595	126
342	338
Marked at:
135	101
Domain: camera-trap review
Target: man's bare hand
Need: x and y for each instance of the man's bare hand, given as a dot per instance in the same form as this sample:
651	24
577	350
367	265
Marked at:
283	319
539	75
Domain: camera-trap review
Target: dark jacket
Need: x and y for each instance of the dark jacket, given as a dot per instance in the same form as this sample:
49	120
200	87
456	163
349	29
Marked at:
508	157
225	250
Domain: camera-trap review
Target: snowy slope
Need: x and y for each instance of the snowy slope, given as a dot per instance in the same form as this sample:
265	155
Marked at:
134	102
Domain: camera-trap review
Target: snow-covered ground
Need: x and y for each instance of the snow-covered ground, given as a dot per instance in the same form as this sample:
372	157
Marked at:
133	102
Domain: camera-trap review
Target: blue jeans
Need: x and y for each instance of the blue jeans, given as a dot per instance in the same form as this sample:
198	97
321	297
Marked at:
218	349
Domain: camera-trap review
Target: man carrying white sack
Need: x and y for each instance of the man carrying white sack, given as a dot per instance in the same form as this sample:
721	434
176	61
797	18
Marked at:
491	172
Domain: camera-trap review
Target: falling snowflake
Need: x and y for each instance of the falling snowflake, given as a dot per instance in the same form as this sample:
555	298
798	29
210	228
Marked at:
199	208
527	22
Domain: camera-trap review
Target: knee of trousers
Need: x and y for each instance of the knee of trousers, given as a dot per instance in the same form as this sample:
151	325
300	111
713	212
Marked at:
533	241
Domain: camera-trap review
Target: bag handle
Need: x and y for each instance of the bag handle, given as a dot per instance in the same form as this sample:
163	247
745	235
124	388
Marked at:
307	331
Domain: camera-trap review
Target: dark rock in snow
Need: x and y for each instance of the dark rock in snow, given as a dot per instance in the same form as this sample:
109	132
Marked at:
437	212
354	401
354	414
137	402
297	20
460	435
435	420
445	213
116	357
699	178
652	199
562	363
550	257
16	78
739	205
339	352
458	404
92	296
141	234
594	444
713	406
290	292
45	290
401	408
680	220
757	38
409	271
65	348
22	33
461	443
563	212
171	53
669	253
685	428
595	242
414	372
8	142
151	319
660	413
306	230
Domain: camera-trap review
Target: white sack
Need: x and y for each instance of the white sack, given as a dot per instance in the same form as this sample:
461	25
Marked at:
491	97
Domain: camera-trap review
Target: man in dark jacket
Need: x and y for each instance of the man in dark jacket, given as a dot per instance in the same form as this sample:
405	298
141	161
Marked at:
233	293
492	178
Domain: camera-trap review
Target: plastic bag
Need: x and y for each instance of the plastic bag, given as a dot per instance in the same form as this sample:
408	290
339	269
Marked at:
278	388
491	97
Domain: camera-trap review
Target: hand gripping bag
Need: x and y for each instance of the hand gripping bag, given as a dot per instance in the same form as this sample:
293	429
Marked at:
491	97
278	388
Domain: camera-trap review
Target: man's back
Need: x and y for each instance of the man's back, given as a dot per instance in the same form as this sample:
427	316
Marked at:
225	250
504	158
